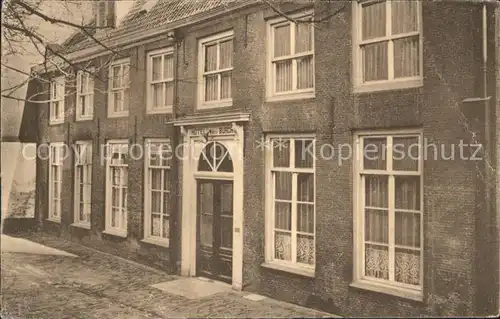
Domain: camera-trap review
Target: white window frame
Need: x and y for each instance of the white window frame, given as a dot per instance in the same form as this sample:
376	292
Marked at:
56	95
57	148
148	237
108	5
111	112
202	43
153	54
270	261
121	230
88	95
391	83
389	286
87	192
271	94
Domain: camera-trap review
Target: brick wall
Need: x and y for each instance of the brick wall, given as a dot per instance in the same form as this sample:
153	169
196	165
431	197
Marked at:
452	196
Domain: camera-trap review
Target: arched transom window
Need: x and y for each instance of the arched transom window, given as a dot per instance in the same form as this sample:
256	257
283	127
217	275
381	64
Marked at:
215	158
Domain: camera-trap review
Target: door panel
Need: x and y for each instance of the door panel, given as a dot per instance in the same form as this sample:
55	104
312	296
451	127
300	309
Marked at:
215	229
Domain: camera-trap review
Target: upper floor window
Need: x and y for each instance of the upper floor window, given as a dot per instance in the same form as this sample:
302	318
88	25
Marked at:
290	58
56	103
119	88
388	44
160	95
105	13
84	95
215	70
388	212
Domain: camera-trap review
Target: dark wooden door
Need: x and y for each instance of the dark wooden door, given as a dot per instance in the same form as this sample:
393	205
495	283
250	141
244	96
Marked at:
215	229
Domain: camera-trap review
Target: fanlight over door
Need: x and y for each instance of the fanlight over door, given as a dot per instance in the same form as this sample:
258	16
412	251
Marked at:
215	158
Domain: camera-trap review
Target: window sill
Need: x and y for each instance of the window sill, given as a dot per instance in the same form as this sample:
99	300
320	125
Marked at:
117	115
159	111
54	220
80	225
84	118
156	242
291	96
388	85
389	290
214	105
58	122
116	233
290	269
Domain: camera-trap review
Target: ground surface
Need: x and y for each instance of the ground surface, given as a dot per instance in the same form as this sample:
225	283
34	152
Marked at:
43	282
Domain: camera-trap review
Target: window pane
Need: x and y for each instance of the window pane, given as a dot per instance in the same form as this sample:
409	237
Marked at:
166	227
168	66
117	101
157	92
126	75
227	198
303	37
376	261
407	264
283	216
305	72
283	246
283	76
169	93
226	234
407	190
126	99
282	41
406	153
116	76
206	229
304	153
305	187
156	68
226	54
155	202
404	16
305	218
375	61
211	87
305	249
206	198
374	20
376	191
406	57
407	228
281	152
283	186
156	179
211	57
376	226
225	91
374	153
155	224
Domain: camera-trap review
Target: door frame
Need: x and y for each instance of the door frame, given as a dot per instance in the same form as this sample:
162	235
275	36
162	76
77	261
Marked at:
192	147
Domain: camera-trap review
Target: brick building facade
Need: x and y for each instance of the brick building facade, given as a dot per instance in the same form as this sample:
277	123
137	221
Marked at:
296	231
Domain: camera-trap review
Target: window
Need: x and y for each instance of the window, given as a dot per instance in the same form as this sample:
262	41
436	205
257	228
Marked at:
84	95
388	50
105	13
157	197
216	69
290	202
56	104
161	81
388	211
83	183
291	58
55	180
116	187
119	88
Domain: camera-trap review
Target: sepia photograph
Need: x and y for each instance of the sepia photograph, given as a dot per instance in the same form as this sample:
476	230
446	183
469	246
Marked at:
250	159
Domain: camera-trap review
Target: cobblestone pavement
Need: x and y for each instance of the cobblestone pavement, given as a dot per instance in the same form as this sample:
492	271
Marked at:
98	285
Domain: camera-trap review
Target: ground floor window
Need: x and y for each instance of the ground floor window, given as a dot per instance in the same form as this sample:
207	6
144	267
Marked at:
290	201
55	180
116	187
388	209
83	182
157	190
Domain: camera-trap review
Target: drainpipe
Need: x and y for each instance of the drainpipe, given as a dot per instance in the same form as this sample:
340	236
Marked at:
497	134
